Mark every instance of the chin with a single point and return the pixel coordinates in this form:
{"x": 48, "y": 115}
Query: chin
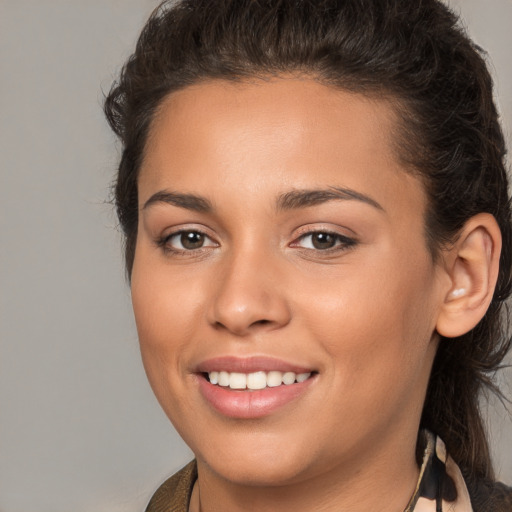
{"x": 258, "y": 461}
{"x": 257, "y": 473}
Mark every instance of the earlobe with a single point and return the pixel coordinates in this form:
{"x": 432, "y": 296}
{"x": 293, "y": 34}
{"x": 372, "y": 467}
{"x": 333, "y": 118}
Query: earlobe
{"x": 472, "y": 264}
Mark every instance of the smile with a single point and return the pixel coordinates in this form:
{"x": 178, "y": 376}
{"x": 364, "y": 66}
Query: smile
{"x": 252, "y": 387}
{"x": 256, "y": 380}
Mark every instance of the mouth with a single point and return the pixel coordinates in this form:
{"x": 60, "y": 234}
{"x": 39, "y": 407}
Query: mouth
{"x": 255, "y": 387}
{"x": 255, "y": 380}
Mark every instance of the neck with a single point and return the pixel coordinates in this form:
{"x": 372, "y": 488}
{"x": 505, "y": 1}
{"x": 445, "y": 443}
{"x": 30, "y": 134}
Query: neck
{"x": 361, "y": 484}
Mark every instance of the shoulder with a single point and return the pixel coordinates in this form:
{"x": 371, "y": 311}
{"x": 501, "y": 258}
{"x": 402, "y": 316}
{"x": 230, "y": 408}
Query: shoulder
{"x": 487, "y": 496}
{"x": 174, "y": 494}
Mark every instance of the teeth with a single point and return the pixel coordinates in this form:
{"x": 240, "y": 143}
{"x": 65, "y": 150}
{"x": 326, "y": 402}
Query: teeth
{"x": 223, "y": 379}
{"x": 274, "y": 379}
{"x": 238, "y": 381}
{"x": 256, "y": 380}
{"x": 288, "y": 378}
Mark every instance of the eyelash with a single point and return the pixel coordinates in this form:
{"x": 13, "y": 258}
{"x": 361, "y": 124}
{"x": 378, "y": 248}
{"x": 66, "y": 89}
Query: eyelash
{"x": 342, "y": 243}
{"x": 165, "y": 242}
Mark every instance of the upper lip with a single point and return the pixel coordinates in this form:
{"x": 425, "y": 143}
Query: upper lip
{"x": 249, "y": 365}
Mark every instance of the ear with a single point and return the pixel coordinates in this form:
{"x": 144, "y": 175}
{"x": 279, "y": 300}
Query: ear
{"x": 472, "y": 265}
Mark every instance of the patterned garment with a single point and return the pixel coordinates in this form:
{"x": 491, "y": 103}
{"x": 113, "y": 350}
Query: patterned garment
{"x": 440, "y": 487}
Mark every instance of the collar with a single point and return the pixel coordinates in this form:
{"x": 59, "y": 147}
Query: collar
{"x": 440, "y": 487}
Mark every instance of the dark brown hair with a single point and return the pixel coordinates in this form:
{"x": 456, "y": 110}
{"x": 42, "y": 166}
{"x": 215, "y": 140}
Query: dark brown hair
{"x": 411, "y": 51}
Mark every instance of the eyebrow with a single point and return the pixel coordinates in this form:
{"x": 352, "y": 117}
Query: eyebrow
{"x": 187, "y": 201}
{"x": 296, "y": 199}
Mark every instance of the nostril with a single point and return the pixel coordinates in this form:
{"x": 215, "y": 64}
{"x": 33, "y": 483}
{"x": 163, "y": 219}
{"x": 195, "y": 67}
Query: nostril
{"x": 262, "y": 322}
{"x": 243, "y": 329}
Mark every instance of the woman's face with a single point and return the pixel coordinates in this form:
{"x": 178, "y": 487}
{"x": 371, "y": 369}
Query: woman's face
{"x": 280, "y": 239}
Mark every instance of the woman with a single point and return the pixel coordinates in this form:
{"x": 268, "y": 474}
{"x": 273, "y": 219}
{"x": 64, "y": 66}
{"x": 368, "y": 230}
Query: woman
{"x": 318, "y": 232}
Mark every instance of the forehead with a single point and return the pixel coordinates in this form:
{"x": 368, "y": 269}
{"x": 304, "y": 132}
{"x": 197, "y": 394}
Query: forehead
{"x": 292, "y": 106}
{"x": 291, "y": 132}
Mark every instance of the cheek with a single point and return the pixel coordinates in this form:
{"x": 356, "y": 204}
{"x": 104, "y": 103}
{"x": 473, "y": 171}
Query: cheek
{"x": 166, "y": 301}
{"x": 376, "y": 328}
{"x": 163, "y": 322}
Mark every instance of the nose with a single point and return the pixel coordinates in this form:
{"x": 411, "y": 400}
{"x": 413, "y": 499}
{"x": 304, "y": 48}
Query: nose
{"x": 249, "y": 295}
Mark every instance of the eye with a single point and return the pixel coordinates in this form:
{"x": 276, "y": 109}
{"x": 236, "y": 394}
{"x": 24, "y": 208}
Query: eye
{"x": 187, "y": 240}
{"x": 323, "y": 241}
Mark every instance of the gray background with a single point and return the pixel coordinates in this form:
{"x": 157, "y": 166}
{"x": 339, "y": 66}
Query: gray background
{"x": 79, "y": 427}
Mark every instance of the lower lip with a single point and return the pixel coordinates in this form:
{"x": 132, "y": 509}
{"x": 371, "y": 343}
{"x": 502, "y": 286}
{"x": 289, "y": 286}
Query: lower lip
{"x": 248, "y": 404}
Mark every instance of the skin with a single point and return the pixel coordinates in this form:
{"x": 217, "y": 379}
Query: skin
{"x": 362, "y": 315}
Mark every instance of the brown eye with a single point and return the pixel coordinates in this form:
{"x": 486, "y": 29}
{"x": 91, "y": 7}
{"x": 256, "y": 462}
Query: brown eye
{"x": 187, "y": 241}
{"x": 323, "y": 240}
{"x": 192, "y": 240}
